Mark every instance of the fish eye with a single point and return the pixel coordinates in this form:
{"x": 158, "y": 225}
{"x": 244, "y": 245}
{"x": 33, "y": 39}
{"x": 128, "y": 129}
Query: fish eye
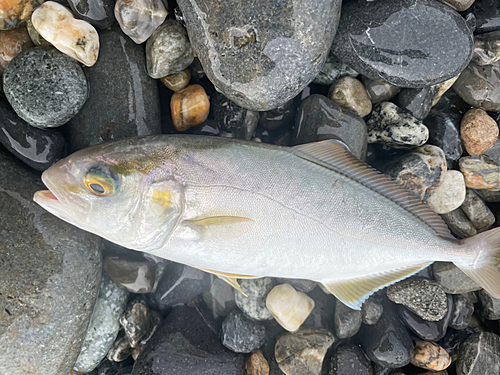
{"x": 97, "y": 188}
{"x": 99, "y": 183}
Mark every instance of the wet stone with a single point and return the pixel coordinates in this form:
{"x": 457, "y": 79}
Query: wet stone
{"x": 417, "y": 102}
{"x": 12, "y": 43}
{"x": 247, "y": 128}
{"x": 430, "y": 356}
{"x": 479, "y": 355}
{"x": 257, "y": 364}
{"x": 453, "y": 339}
{"x": 177, "y": 81}
{"x": 450, "y": 102}
{"x": 332, "y": 70}
{"x": 444, "y": 133}
{"x": 14, "y": 12}
{"x": 120, "y": 350}
{"x": 99, "y": 13}
{"x": 487, "y": 48}
{"x": 219, "y": 297}
{"x": 136, "y": 276}
{"x": 459, "y": 224}
{"x": 452, "y": 279}
{"x": 450, "y": 195}
{"x": 479, "y": 131}
{"x": 318, "y": 119}
{"x": 136, "y": 323}
{"x": 301, "y": 285}
{"x": 490, "y": 306}
{"x": 45, "y": 94}
{"x": 254, "y": 303}
{"x": 488, "y": 195}
{"x": 462, "y": 312}
{"x": 349, "y": 360}
{"x": 279, "y": 117}
{"x": 241, "y": 334}
{"x": 480, "y": 172}
{"x": 477, "y": 211}
{"x": 231, "y": 117}
{"x": 371, "y": 310}
{"x": 350, "y": 93}
{"x": 392, "y": 126}
{"x": 302, "y": 352}
{"x": 487, "y": 14}
{"x": 347, "y": 321}
{"x": 322, "y": 315}
{"x": 378, "y": 90}
{"x": 442, "y": 88}
{"x": 168, "y": 50}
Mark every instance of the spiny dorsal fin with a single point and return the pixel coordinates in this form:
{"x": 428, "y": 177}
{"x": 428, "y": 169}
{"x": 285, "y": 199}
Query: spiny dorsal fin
{"x": 335, "y": 155}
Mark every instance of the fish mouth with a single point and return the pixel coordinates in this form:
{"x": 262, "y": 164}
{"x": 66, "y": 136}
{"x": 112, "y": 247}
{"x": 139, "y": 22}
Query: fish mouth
{"x": 47, "y": 200}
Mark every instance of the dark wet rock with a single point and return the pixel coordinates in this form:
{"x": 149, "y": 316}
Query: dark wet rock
{"x": 112, "y": 368}
{"x": 187, "y": 342}
{"x": 462, "y": 312}
{"x": 365, "y": 40}
{"x": 349, "y": 360}
{"x": 347, "y": 321}
{"x": 371, "y": 310}
{"x": 137, "y": 276}
{"x": 490, "y": 306}
{"x": 480, "y": 172}
{"x": 45, "y": 87}
{"x": 488, "y": 196}
{"x": 99, "y": 13}
{"x": 318, "y": 118}
{"x": 219, "y": 297}
{"x": 459, "y": 224}
{"x": 279, "y": 117}
{"x": 418, "y": 102}
{"x": 487, "y": 14}
{"x": 479, "y": 355}
{"x": 378, "y": 90}
{"x": 442, "y": 88}
{"x": 127, "y": 107}
{"x": 50, "y": 279}
{"x": 208, "y": 127}
{"x": 452, "y": 279}
{"x": 453, "y": 339}
{"x": 120, "y": 350}
{"x": 38, "y": 148}
{"x": 180, "y": 284}
{"x": 254, "y": 303}
{"x": 388, "y": 342}
{"x": 450, "y": 102}
{"x": 136, "y": 323}
{"x": 241, "y": 334}
{"x": 487, "y": 48}
{"x": 444, "y": 133}
{"x": 332, "y": 70}
{"x": 232, "y": 118}
{"x": 245, "y": 59}
{"x": 301, "y": 285}
{"x": 477, "y": 211}
{"x": 392, "y": 126}
{"x": 350, "y": 93}
{"x": 323, "y": 313}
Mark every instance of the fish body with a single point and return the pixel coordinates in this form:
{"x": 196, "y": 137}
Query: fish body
{"x": 245, "y": 209}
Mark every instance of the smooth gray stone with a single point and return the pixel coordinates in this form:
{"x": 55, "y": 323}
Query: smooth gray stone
{"x": 347, "y": 321}
{"x": 490, "y": 306}
{"x": 99, "y": 13}
{"x": 452, "y": 279}
{"x": 49, "y": 279}
{"x": 263, "y": 55}
{"x": 459, "y": 223}
{"x": 477, "y": 211}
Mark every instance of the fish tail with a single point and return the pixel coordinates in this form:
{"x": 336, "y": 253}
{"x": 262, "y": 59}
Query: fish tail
{"x": 485, "y": 268}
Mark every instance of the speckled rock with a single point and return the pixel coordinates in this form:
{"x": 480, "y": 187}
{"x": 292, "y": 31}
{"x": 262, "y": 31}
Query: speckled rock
{"x": 241, "y": 334}
{"x": 371, "y": 310}
{"x": 263, "y": 63}
{"x": 444, "y": 133}
{"x": 480, "y": 172}
{"x": 477, "y": 211}
{"x": 99, "y": 13}
{"x": 347, "y": 321}
{"x": 452, "y": 279}
{"x": 45, "y": 95}
{"x": 282, "y": 116}
{"x": 424, "y": 297}
{"x": 103, "y": 326}
{"x": 487, "y": 15}
{"x": 350, "y": 93}
{"x": 490, "y": 306}
{"x": 12, "y": 43}
{"x": 450, "y": 195}
{"x": 318, "y": 118}
{"x": 219, "y": 297}
{"x": 430, "y": 356}
{"x": 349, "y": 360}
{"x": 14, "y": 12}
{"x": 459, "y": 224}
{"x": 332, "y": 70}
{"x": 462, "y": 312}
{"x": 479, "y": 131}
{"x": 378, "y": 90}
{"x": 479, "y": 355}
{"x": 177, "y": 81}
{"x": 257, "y": 364}
{"x": 411, "y": 61}
{"x": 254, "y": 303}
{"x": 136, "y": 276}
{"x": 45, "y": 308}
{"x": 392, "y": 126}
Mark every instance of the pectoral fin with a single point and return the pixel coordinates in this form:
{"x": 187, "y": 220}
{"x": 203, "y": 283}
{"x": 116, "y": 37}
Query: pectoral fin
{"x": 230, "y": 278}
{"x": 355, "y": 291}
{"x": 220, "y": 227}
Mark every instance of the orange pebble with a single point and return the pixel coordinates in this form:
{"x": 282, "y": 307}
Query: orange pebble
{"x": 190, "y": 107}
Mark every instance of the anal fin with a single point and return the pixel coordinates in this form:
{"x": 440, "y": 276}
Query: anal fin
{"x": 353, "y": 292}
{"x": 230, "y": 278}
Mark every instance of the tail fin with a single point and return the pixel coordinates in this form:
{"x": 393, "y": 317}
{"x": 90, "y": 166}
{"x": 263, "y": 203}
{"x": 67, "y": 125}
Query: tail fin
{"x": 485, "y": 268}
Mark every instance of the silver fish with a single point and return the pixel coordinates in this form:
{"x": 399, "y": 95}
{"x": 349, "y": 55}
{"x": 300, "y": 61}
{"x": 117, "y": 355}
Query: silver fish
{"x": 245, "y": 209}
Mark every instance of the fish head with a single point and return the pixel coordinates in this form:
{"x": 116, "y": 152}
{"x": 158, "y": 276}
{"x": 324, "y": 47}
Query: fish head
{"x": 120, "y": 192}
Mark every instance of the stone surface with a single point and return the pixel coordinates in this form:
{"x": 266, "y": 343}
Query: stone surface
{"x": 442, "y": 88}
{"x": 75, "y": 38}
{"x": 299, "y": 284}
{"x": 430, "y": 356}
{"x": 460, "y": 5}
{"x": 188, "y": 343}
{"x": 241, "y": 334}
{"x": 490, "y": 306}
{"x": 378, "y": 90}
{"x": 219, "y": 297}
{"x": 350, "y": 93}
{"x": 257, "y": 364}
{"x": 38, "y": 148}
{"x": 49, "y": 278}
{"x": 45, "y": 94}
{"x": 302, "y": 352}
{"x": 487, "y": 15}
{"x": 12, "y": 43}
{"x": 450, "y": 195}
{"x": 136, "y": 323}
{"x": 349, "y": 360}
{"x": 462, "y": 312}
{"x": 480, "y": 172}
{"x": 254, "y": 303}
{"x": 479, "y": 131}
{"x": 424, "y": 297}
{"x": 477, "y": 211}
{"x": 138, "y": 19}
{"x": 479, "y": 355}
{"x": 452, "y": 279}
{"x": 347, "y": 321}
{"x": 322, "y": 316}
{"x": 120, "y": 350}
{"x": 282, "y": 116}
{"x": 99, "y": 13}
{"x": 417, "y": 102}
{"x": 168, "y": 50}
{"x": 392, "y": 126}
{"x": 332, "y": 70}
{"x": 261, "y": 56}
{"x": 136, "y": 276}
{"x": 177, "y": 81}
{"x": 451, "y": 102}
{"x": 128, "y": 107}
{"x": 444, "y": 133}
{"x": 189, "y": 107}
{"x": 371, "y": 310}
{"x": 103, "y": 326}
{"x": 365, "y": 41}
{"x": 461, "y": 226}
{"x": 487, "y": 48}
{"x": 318, "y": 118}
{"x": 488, "y": 196}
{"x": 238, "y": 121}
{"x": 35, "y": 36}
{"x": 14, "y": 12}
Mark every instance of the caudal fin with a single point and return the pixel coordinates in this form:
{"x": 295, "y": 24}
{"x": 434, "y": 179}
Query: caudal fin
{"x": 485, "y": 267}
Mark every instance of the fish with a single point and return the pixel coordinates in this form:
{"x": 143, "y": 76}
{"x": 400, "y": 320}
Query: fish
{"x": 244, "y": 210}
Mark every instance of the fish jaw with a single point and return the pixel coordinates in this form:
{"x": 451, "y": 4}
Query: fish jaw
{"x": 48, "y": 201}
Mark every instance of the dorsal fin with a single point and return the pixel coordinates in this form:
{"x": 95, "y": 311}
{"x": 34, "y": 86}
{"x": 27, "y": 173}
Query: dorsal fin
{"x": 335, "y": 155}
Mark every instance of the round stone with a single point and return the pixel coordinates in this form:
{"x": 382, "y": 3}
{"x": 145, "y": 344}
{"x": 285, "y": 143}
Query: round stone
{"x": 450, "y": 195}
{"x": 430, "y": 356}
{"x": 480, "y": 172}
{"x": 190, "y": 107}
{"x": 378, "y": 90}
{"x": 253, "y": 302}
{"x": 479, "y": 131}
{"x": 45, "y": 87}
{"x": 350, "y": 93}
{"x": 12, "y": 43}
{"x": 487, "y": 48}
{"x": 177, "y": 81}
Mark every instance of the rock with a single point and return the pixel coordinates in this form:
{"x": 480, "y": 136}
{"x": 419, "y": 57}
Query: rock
{"x": 392, "y": 126}
{"x": 451, "y": 102}
{"x": 219, "y": 297}
{"x": 422, "y": 171}
{"x": 301, "y": 285}
{"x": 177, "y": 81}
{"x": 318, "y": 118}
{"x": 289, "y": 307}
{"x": 50, "y": 279}
{"x": 378, "y": 90}
{"x": 442, "y": 88}
{"x": 168, "y": 50}
{"x": 332, "y": 70}
{"x": 103, "y": 326}
{"x": 302, "y": 352}
{"x": 477, "y": 211}
{"x": 14, "y": 12}
{"x": 349, "y": 360}
{"x": 371, "y": 310}
{"x": 254, "y": 303}
{"x": 424, "y": 297}
{"x": 480, "y": 172}
{"x": 136, "y": 323}
{"x": 479, "y": 131}
{"x": 189, "y": 107}
{"x": 479, "y": 355}
{"x": 494, "y": 151}
{"x": 139, "y": 19}
{"x": 129, "y": 107}
{"x": 75, "y": 38}
{"x": 35, "y": 36}
{"x": 486, "y": 48}
{"x": 411, "y": 61}
{"x": 417, "y": 102}
{"x": 187, "y": 342}
{"x": 452, "y": 279}
{"x": 245, "y": 60}
{"x": 257, "y": 364}
{"x": 453, "y": 339}
{"x": 487, "y": 15}
{"x": 241, "y": 334}
{"x": 347, "y": 321}
{"x": 490, "y": 306}
{"x": 430, "y": 356}
{"x": 488, "y": 196}
{"x": 12, "y": 43}
{"x": 350, "y": 93}
{"x": 443, "y": 133}
{"x": 460, "y": 5}
{"x": 461, "y": 313}
{"x": 450, "y": 195}
{"x": 136, "y": 276}
{"x": 279, "y": 117}
{"x": 461, "y": 226}
{"x": 45, "y": 94}
{"x": 99, "y": 13}
{"x": 120, "y": 350}
{"x": 38, "y": 148}
{"x": 322, "y": 315}
{"x": 180, "y": 284}
{"x": 388, "y": 342}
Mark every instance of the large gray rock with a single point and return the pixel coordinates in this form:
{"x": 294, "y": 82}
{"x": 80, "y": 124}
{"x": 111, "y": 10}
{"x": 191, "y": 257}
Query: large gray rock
{"x": 49, "y": 279}
{"x": 261, "y": 55}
